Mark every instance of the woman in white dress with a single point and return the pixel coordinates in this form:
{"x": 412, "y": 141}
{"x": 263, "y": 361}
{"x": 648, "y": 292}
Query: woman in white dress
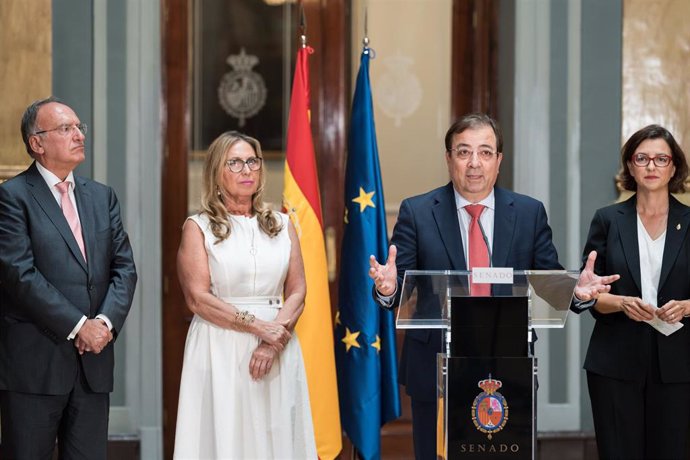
{"x": 243, "y": 393}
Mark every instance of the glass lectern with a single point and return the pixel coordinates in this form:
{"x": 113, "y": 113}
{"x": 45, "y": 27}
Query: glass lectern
{"x": 486, "y": 378}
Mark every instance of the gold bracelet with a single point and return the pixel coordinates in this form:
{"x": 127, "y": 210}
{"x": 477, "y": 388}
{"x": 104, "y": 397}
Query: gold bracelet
{"x": 244, "y": 317}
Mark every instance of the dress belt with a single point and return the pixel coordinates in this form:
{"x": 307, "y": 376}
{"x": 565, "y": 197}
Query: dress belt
{"x": 255, "y": 301}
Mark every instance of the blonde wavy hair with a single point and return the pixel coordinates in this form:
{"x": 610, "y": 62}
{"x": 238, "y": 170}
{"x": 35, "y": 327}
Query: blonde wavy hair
{"x": 211, "y": 200}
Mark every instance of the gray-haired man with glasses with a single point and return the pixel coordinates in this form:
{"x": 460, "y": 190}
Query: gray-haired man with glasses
{"x": 67, "y": 279}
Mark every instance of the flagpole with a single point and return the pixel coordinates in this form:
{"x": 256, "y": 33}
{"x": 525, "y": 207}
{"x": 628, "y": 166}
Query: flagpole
{"x": 302, "y": 25}
{"x": 354, "y": 455}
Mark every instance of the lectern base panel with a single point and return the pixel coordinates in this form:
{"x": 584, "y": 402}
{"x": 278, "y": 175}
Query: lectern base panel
{"x": 487, "y": 408}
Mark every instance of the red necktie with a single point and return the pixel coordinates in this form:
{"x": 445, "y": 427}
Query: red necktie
{"x": 478, "y": 252}
{"x": 71, "y": 215}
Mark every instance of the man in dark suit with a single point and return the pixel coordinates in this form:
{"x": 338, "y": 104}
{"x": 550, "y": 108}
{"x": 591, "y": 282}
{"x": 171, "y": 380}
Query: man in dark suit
{"x": 432, "y": 233}
{"x": 67, "y": 279}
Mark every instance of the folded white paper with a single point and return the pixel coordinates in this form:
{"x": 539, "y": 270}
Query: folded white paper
{"x": 662, "y": 326}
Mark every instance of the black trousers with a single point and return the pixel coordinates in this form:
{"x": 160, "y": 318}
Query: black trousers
{"x": 424, "y": 429}
{"x": 640, "y": 420}
{"x": 32, "y": 422}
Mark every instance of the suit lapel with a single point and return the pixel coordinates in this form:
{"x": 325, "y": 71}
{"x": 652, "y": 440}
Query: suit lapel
{"x": 83, "y": 197}
{"x": 627, "y": 221}
{"x": 46, "y": 201}
{"x": 504, "y": 227}
{"x": 676, "y": 230}
{"x": 446, "y": 217}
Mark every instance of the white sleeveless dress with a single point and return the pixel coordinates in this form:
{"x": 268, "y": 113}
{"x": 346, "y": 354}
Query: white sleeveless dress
{"x": 222, "y": 412}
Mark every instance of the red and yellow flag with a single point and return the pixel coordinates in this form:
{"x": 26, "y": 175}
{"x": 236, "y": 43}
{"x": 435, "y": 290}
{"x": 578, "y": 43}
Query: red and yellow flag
{"x": 302, "y": 202}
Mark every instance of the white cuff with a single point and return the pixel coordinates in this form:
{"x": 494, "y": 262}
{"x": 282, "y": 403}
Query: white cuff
{"x": 106, "y": 321}
{"x": 582, "y": 305}
{"x": 76, "y": 329}
{"x": 386, "y": 300}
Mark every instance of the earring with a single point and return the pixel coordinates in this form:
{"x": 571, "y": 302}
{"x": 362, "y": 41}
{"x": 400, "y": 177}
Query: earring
{"x": 218, "y": 191}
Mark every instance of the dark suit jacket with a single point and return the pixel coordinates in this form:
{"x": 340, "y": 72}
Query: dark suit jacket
{"x": 46, "y": 287}
{"x": 427, "y": 235}
{"x": 620, "y": 347}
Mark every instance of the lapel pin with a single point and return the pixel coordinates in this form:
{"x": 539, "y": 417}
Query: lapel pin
{"x": 678, "y": 227}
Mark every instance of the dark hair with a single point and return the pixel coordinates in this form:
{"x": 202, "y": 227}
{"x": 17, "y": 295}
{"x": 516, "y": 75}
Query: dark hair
{"x": 474, "y": 121}
{"x": 29, "y": 119}
{"x": 627, "y": 181}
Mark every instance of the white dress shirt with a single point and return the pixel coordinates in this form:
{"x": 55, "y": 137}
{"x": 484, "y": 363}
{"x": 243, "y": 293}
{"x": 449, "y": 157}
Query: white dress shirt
{"x": 651, "y": 254}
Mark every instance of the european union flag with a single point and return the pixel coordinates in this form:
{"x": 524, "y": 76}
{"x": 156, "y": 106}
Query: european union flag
{"x": 365, "y": 334}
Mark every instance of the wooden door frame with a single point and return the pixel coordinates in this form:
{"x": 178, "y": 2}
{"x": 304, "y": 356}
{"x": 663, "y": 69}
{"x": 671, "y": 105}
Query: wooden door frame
{"x": 175, "y": 33}
{"x": 474, "y": 66}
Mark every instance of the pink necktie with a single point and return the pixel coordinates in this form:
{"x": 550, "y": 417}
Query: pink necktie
{"x": 71, "y": 215}
{"x": 478, "y": 252}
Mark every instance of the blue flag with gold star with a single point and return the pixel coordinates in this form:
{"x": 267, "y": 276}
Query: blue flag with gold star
{"x": 365, "y": 334}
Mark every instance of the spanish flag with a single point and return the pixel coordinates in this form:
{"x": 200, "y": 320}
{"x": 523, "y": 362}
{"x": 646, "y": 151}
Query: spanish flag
{"x": 302, "y": 202}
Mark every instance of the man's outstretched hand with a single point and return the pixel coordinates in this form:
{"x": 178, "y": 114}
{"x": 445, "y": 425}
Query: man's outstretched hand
{"x": 385, "y": 276}
{"x": 590, "y": 285}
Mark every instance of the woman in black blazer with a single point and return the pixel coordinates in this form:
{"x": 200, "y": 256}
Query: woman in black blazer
{"x": 639, "y": 377}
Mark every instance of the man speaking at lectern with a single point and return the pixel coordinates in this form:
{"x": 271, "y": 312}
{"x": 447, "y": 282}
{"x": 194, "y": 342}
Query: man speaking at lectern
{"x": 467, "y": 223}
